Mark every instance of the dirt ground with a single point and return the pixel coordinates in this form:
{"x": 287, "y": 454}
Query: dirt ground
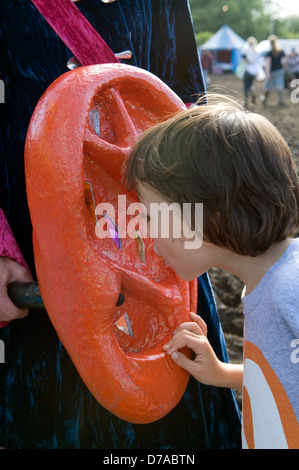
{"x": 228, "y": 288}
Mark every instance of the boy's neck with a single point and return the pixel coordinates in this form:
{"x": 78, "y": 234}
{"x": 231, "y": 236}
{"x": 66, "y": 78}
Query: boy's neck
{"x": 251, "y": 270}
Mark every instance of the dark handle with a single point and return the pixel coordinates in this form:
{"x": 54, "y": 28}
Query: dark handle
{"x": 27, "y": 295}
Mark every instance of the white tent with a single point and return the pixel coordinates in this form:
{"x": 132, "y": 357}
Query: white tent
{"x": 285, "y": 44}
{"x": 226, "y": 47}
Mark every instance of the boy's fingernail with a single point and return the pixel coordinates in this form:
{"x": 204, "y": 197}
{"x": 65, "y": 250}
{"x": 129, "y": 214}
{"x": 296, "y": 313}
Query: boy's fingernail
{"x": 174, "y": 355}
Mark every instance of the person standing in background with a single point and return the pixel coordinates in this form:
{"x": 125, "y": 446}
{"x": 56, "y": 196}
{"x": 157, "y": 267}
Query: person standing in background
{"x": 207, "y": 63}
{"x": 275, "y": 71}
{"x": 251, "y": 58}
{"x": 293, "y": 64}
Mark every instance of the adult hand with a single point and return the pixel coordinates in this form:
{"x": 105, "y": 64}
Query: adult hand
{"x": 11, "y": 271}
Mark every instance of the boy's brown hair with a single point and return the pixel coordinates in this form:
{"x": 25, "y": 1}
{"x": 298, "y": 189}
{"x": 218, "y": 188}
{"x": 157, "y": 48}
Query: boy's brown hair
{"x": 234, "y": 162}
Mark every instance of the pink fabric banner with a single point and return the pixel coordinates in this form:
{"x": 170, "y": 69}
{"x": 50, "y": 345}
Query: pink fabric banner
{"x": 75, "y": 31}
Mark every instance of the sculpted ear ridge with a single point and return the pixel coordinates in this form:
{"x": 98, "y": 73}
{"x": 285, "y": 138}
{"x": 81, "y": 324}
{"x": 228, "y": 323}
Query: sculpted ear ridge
{"x": 79, "y": 134}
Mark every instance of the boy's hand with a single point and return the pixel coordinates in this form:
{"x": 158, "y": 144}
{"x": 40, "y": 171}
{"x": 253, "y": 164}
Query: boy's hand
{"x": 205, "y": 367}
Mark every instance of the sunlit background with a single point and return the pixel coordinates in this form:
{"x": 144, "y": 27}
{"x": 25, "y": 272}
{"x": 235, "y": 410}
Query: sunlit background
{"x": 258, "y": 18}
{"x": 289, "y": 7}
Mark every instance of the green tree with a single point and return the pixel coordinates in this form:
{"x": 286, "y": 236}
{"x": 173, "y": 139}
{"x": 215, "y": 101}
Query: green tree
{"x": 288, "y": 28}
{"x": 257, "y": 18}
{"x": 203, "y": 37}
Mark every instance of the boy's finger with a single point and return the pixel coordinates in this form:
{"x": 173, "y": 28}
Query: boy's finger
{"x": 202, "y": 325}
{"x": 189, "y": 340}
{"x": 189, "y": 326}
{"x": 178, "y": 340}
{"x": 183, "y": 361}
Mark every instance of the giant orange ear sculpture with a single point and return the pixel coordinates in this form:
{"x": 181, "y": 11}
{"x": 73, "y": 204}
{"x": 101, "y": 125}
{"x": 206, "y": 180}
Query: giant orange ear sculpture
{"x": 79, "y": 135}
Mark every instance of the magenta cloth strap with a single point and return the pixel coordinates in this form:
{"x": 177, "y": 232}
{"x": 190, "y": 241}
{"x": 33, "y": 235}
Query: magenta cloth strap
{"x": 75, "y": 31}
{"x": 8, "y": 244}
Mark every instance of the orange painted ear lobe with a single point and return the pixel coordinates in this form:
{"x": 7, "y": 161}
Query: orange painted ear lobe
{"x": 79, "y": 135}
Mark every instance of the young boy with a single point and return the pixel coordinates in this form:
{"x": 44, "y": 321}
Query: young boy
{"x": 240, "y": 168}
